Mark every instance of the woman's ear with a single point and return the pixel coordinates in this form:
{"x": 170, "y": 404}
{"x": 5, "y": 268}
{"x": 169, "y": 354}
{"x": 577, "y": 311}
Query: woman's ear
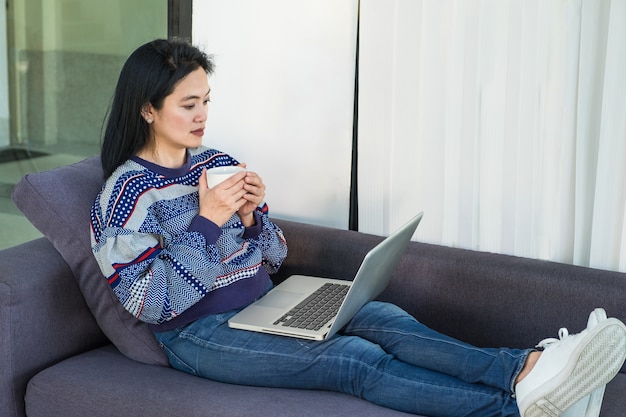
{"x": 147, "y": 112}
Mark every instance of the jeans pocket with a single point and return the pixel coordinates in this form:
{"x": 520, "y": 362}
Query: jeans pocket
{"x": 177, "y": 362}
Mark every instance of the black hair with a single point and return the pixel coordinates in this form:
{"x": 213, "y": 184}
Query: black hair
{"x": 148, "y": 76}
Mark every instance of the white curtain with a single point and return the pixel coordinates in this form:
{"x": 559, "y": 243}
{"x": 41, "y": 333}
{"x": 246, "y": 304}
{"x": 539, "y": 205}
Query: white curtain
{"x": 503, "y": 120}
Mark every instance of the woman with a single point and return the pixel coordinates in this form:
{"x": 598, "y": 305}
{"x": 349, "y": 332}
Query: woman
{"x": 185, "y": 258}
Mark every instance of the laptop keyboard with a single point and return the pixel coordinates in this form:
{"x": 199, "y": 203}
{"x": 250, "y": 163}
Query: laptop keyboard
{"x": 315, "y": 310}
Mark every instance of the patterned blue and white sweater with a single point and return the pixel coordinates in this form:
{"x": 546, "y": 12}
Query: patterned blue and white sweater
{"x": 167, "y": 265}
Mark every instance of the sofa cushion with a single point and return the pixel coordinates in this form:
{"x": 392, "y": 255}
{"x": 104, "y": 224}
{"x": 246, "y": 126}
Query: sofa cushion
{"x": 103, "y": 383}
{"x": 58, "y": 203}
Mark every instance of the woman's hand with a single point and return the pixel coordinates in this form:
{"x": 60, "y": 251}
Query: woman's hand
{"x": 254, "y": 197}
{"x": 219, "y": 203}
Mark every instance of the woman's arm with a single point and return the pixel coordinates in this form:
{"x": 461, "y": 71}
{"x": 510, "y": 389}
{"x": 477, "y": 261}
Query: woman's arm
{"x": 157, "y": 277}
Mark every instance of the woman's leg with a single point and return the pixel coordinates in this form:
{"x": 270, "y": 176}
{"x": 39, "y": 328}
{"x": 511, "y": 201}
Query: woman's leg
{"x": 349, "y": 364}
{"x": 410, "y": 341}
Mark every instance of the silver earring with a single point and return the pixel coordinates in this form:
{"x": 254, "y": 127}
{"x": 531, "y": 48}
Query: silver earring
{"x": 149, "y": 121}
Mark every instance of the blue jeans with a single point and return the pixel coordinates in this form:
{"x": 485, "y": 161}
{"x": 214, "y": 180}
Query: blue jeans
{"x": 384, "y": 355}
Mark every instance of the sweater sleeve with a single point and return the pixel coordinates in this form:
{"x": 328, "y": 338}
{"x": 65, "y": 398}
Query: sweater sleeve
{"x": 155, "y": 278}
{"x": 269, "y": 238}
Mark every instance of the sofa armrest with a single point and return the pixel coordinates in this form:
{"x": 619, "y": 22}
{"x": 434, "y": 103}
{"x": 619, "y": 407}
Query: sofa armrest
{"x": 43, "y": 317}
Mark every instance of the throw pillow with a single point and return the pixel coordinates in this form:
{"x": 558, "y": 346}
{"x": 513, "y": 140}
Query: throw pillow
{"x": 58, "y": 203}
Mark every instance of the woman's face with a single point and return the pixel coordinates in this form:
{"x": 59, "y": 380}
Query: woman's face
{"x": 179, "y": 124}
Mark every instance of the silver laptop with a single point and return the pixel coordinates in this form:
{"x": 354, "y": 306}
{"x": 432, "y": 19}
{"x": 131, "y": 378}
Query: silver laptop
{"x": 289, "y": 309}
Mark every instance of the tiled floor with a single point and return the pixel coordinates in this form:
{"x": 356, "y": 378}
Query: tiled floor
{"x": 14, "y": 227}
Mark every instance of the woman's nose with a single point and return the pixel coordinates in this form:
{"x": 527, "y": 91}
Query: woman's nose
{"x": 202, "y": 113}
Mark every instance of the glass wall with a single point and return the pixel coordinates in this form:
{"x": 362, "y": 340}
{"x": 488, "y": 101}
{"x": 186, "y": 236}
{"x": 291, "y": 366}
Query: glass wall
{"x": 61, "y": 61}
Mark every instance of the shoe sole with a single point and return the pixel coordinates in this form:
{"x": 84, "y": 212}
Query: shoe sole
{"x": 595, "y": 398}
{"x": 598, "y": 362}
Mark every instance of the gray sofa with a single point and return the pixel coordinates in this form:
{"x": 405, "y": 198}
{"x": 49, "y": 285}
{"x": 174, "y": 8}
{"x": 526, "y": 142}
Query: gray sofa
{"x": 68, "y": 349}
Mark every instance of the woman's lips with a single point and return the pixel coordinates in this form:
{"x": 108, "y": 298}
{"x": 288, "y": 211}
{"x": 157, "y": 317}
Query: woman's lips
{"x": 198, "y": 132}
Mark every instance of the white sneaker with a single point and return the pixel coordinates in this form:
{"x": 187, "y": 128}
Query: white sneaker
{"x": 573, "y": 367}
{"x": 590, "y": 405}
{"x": 596, "y": 317}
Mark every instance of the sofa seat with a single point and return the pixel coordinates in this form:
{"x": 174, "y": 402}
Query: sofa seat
{"x": 96, "y": 382}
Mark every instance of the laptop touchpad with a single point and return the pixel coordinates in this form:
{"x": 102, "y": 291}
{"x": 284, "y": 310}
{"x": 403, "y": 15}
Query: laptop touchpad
{"x": 278, "y": 299}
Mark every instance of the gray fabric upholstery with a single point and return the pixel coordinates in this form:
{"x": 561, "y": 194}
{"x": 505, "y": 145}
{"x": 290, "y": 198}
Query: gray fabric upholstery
{"x": 58, "y": 203}
{"x": 43, "y": 318}
{"x": 103, "y": 380}
{"x": 497, "y": 300}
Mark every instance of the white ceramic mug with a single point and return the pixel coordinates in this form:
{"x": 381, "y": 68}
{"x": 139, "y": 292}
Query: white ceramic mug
{"x": 216, "y": 175}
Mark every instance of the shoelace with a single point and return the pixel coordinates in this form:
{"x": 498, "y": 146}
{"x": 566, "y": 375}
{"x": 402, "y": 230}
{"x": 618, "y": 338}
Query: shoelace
{"x": 563, "y": 334}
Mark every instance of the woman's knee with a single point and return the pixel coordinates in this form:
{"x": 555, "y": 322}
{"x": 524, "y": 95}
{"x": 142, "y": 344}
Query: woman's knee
{"x": 377, "y": 311}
